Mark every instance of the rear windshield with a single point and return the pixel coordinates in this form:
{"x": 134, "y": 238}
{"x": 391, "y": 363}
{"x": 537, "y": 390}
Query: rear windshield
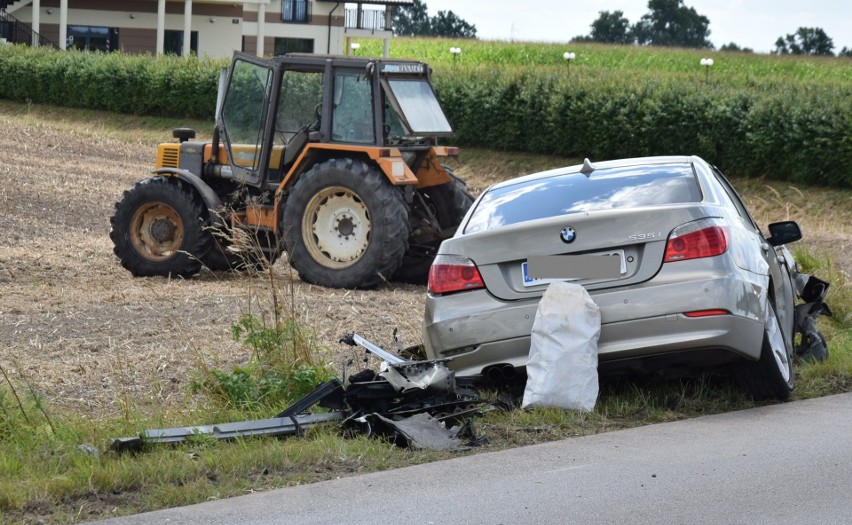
{"x": 416, "y": 103}
{"x": 604, "y": 189}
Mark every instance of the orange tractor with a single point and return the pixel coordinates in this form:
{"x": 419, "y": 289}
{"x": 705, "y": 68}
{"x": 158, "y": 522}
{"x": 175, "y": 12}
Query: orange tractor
{"x": 334, "y": 160}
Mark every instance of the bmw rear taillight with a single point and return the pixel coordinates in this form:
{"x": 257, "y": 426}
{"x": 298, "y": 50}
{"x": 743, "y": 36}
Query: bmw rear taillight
{"x": 694, "y": 240}
{"x": 453, "y": 273}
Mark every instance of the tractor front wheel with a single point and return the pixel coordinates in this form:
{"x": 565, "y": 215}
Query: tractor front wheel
{"x": 158, "y": 229}
{"x": 345, "y": 225}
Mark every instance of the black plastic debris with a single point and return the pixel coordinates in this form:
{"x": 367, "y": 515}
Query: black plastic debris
{"x": 413, "y": 403}
{"x": 812, "y": 346}
{"x": 420, "y": 431}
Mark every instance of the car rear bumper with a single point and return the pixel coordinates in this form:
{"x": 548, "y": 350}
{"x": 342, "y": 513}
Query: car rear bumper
{"x": 478, "y": 330}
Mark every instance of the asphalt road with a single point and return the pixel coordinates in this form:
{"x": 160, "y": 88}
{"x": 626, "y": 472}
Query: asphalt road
{"x": 788, "y": 463}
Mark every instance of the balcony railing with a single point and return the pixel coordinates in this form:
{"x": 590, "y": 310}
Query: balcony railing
{"x": 370, "y": 19}
{"x": 296, "y": 11}
{"x": 14, "y": 31}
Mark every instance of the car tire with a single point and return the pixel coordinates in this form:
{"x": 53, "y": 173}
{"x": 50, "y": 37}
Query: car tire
{"x": 771, "y": 376}
{"x": 449, "y": 203}
{"x": 159, "y": 228}
{"x": 345, "y": 225}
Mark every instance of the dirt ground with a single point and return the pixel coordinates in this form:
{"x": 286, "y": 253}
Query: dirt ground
{"x": 89, "y": 336}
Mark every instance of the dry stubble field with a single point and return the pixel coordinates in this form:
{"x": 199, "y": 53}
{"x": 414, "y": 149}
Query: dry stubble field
{"x": 89, "y": 336}
{"x": 74, "y": 323}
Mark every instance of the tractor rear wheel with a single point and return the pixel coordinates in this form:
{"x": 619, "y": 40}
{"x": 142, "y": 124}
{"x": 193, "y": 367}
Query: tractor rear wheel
{"x": 449, "y": 204}
{"x": 158, "y": 228}
{"x": 345, "y": 225}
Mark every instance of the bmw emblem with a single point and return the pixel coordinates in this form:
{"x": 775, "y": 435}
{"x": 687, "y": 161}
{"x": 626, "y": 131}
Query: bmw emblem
{"x": 568, "y": 234}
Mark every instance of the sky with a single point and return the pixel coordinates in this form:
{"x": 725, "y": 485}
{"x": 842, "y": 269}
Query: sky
{"x": 749, "y": 23}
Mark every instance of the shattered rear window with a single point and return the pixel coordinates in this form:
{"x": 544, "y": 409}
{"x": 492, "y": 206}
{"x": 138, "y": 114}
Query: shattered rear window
{"x": 604, "y": 189}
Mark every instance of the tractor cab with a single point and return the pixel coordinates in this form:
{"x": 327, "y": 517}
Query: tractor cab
{"x": 270, "y": 110}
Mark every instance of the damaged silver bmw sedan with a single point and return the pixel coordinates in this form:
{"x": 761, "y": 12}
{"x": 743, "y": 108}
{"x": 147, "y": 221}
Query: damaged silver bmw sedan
{"x": 681, "y": 272}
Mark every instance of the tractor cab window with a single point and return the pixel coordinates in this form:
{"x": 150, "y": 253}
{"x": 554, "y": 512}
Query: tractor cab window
{"x": 352, "y": 119}
{"x": 415, "y": 104}
{"x": 244, "y": 113}
{"x": 299, "y": 105}
{"x": 298, "y": 114}
{"x": 395, "y": 130}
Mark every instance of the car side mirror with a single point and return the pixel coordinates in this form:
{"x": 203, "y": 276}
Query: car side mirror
{"x": 783, "y": 233}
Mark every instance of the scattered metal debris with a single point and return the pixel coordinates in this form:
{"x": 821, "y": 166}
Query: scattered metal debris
{"x": 409, "y": 402}
{"x": 90, "y": 450}
{"x": 811, "y": 290}
{"x": 420, "y": 431}
{"x": 278, "y": 426}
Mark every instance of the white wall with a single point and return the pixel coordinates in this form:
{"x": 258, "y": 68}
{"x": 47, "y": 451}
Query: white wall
{"x": 215, "y": 39}
{"x": 317, "y": 32}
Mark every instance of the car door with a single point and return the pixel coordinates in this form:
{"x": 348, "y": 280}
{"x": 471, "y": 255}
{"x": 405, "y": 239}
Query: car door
{"x": 777, "y": 264}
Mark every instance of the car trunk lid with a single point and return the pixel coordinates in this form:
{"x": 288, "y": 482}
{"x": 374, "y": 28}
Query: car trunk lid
{"x": 565, "y": 247}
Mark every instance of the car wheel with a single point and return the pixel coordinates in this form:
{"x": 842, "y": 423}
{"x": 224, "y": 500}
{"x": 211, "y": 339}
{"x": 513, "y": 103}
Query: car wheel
{"x": 771, "y": 376}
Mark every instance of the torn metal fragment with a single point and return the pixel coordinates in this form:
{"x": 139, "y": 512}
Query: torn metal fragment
{"x": 420, "y": 431}
{"x": 420, "y": 375}
{"x": 381, "y": 353}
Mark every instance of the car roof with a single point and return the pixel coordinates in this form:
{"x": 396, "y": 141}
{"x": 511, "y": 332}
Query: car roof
{"x": 620, "y": 163}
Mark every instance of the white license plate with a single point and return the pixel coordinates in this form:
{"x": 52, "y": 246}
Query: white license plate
{"x": 562, "y": 268}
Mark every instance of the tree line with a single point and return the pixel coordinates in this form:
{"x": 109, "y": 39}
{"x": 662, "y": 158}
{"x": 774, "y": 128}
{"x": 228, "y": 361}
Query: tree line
{"x": 672, "y": 23}
{"x": 414, "y": 20}
{"x": 667, "y": 23}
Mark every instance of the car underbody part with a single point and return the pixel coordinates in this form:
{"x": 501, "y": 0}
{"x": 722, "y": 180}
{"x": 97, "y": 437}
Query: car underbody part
{"x": 813, "y": 346}
{"x": 410, "y": 403}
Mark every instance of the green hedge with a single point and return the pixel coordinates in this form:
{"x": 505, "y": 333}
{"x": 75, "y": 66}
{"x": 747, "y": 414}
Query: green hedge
{"x": 795, "y": 130}
{"x": 138, "y": 84}
{"x": 792, "y": 132}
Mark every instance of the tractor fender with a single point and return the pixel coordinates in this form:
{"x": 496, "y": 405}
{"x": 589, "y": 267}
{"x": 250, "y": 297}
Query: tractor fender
{"x": 212, "y": 202}
{"x": 388, "y": 161}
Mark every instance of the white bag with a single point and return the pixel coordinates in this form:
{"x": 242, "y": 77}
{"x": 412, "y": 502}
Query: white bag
{"x": 562, "y": 370}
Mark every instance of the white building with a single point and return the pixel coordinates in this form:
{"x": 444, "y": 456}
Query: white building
{"x": 212, "y": 28}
